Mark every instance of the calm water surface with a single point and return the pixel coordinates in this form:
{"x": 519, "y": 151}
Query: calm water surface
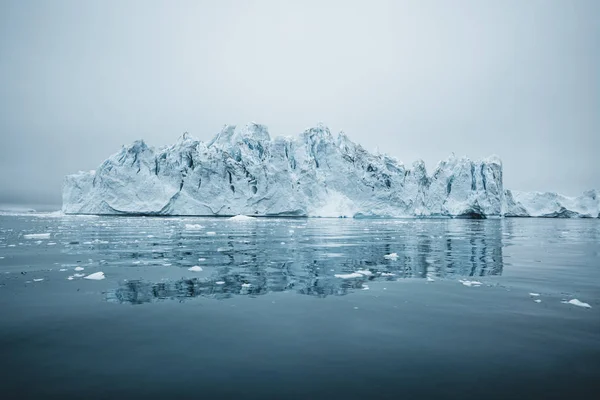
{"x": 298, "y": 308}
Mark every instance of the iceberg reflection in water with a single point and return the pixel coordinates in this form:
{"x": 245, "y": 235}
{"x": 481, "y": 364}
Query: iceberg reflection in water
{"x": 310, "y": 257}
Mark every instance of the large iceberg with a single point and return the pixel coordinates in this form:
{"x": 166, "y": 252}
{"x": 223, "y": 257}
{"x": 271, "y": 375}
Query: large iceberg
{"x": 242, "y": 171}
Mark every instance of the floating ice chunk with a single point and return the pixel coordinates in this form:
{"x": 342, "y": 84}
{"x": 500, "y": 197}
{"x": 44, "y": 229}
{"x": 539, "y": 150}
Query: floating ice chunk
{"x": 79, "y": 268}
{"x": 37, "y": 236}
{"x": 70, "y": 278}
{"x": 349, "y": 276}
{"x": 537, "y": 300}
{"x": 470, "y": 283}
{"x": 577, "y": 303}
{"x": 202, "y": 259}
{"x": 220, "y": 282}
{"x": 364, "y": 272}
{"x": 242, "y": 218}
{"x": 222, "y": 249}
{"x": 193, "y": 227}
{"x": 78, "y": 275}
{"x": 167, "y": 264}
{"x": 38, "y": 279}
{"x": 430, "y": 279}
{"x": 96, "y": 276}
{"x": 52, "y": 244}
{"x": 534, "y": 294}
{"x": 246, "y": 285}
{"x": 150, "y": 236}
{"x": 211, "y": 233}
{"x": 392, "y": 256}
{"x": 195, "y": 268}
{"x": 62, "y": 269}
{"x": 387, "y": 274}
{"x": 365, "y": 287}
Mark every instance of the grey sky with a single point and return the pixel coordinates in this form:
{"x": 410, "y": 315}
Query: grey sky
{"x": 418, "y": 79}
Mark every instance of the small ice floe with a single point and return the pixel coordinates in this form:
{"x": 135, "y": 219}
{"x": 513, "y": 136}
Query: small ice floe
{"x": 241, "y": 218}
{"x": 136, "y": 262}
{"x": 37, "y": 236}
{"x": 167, "y": 265}
{"x": 537, "y": 301}
{"x": 38, "y": 279}
{"x": 62, "y": 269}
{"x": 577, "y": 303}
{"x": 219, "y": 282}
{"x": 96, "y": 276}
{"x": 98, "y": 241}
{"x": 52, "y": 244}
{"x": 195, "y": 268}
{"x": 430, "y": 279}
{"x": 211, "y": 233}
{"x": 70, "y": 278}
{"x": 358, "y": 274}
{"x": 202, "y": 259}
{"x": 1, "y": 258}
{"x": 387, "y": 274}
{"x": 534, "y": 294}
{"x": 193, "y": 227}
{"x": 78, "y": 275}
{"x": 79, "y": 268}
{"x": 222, "y": 249}
{"x": 392, "y": 256}
{"x": 470, "y": 283}
{"x": 365, "y": 287}
{"x": 282, "y": 242}
{"x": 246, "y": 285}
{"x": 150, "y": 236}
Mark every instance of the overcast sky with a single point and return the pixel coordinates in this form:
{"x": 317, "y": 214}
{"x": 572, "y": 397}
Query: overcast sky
{"x": 418, "y": 79}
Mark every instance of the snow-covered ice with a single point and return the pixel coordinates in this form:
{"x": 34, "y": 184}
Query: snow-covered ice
{"x": 37, "y": 236}
{"x": 392, "y": 256}
{"x": 577, "y": 303}
{"x": 96, "y": 276}
{"x": 534, "y": 294}
{"x": 193, "y": 227}
{"x": 195, "y": 268}
{"x": 79, "y": 268}
{"x": 469, "y": 283}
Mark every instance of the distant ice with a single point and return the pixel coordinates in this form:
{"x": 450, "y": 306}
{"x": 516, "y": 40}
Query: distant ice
{"x": 537, "y": 300}
{"x": 392, "y": 256}
{"x": 577, "y": 303}
{"x": 38, "y": 279}
{"x": 62, "y": 269}
{"x": 246, "y": 285}
{"x": 242, "y": 218}
{"x": 534, "y": 294}
{"x": 365, "y": 272}
{"x": 470, "y": 283}
{"x": 96, "y": 276}
{"x": 79, "y": 268}
{"x": 387, "y": 274}
{"x": 220, "y": 282}
{"x": 357, "y": 274}
{"x": 211, "y": 233}
{"x": 37, "y": 236}
{"x": 430, "y": 279}
{"x": 193, "y": 227}
{"x": 202, "y": 259}
{"x": 78, "y": 275}
{"x": 195, "y": 268}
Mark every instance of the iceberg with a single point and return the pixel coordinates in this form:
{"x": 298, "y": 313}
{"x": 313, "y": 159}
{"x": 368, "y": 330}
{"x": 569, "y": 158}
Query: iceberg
{"x": 245, "y": 172}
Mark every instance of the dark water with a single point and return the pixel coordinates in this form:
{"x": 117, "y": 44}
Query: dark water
{"x": 268, "y": 318}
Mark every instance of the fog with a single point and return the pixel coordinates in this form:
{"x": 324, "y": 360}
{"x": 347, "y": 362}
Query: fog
{"x": 415, "y": 79}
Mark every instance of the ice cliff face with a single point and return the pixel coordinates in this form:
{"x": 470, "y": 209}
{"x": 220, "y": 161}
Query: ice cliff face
{"x": 244, "y": 171}
{"x": 552, "y": 205}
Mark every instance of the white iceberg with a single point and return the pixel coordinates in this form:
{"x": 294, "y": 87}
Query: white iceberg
{"x": 243, "y": 171}
{"x": 96, "y": 276}
{"x": 195, "y": 268}
{"x": 577, "y": 303}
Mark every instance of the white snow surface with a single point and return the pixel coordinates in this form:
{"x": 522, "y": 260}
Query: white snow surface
{"x": 243, "y": 171}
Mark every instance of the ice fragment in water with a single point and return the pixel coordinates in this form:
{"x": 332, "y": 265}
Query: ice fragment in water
{"x": 195, "y": 268}
{"x": 96, "y": 276}
{"x": 37, "y": 236}
{"x": 577, "y": 303}
{"x": 392, "y": 256}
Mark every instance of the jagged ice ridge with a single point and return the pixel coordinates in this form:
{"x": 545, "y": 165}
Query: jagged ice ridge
{"x": 244, "y": 171}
